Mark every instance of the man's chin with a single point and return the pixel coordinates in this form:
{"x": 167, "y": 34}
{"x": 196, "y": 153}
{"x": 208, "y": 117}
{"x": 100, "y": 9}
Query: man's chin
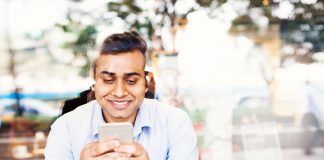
{"x": 118, "y": 113}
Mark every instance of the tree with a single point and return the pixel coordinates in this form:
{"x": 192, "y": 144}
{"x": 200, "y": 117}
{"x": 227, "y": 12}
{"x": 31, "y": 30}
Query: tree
{"x": 85, "y": 40}
{"x": 152, "y": 18}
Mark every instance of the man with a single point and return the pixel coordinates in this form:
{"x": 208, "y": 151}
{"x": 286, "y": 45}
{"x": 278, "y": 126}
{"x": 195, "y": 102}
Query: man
{"x": 160, "y": 131}
{"x": 311, "y": 119}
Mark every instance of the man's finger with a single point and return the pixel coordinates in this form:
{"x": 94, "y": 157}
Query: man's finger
{"x": 103, "y": 147}
{"x": 116, "y": 155}
{"x": 130, "y": 149}
{"x": 120, "y": 158}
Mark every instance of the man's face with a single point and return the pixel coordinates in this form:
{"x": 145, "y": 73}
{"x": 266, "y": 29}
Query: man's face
{"x": 120, "y": 85}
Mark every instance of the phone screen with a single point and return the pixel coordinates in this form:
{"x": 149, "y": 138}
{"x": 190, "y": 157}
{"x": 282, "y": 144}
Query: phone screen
{"x": 122, "y": 131}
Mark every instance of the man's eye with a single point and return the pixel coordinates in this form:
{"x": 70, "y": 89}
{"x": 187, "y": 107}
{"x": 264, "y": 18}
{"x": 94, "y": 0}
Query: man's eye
{"x": 131, "y": 82}
{"x": 108, "y": 81}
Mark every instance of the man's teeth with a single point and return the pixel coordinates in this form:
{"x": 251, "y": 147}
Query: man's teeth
{"x": 120, "y": 103}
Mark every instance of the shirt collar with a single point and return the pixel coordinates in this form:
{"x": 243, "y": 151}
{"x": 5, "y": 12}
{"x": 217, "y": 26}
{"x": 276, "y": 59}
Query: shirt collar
{"x": 143, "y": 119}
{"x": 97, "y": 119}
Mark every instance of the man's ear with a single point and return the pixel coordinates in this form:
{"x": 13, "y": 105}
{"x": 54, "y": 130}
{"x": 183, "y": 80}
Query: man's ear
{"x": 150, "y": 85}
{"x": 92, "y": 87}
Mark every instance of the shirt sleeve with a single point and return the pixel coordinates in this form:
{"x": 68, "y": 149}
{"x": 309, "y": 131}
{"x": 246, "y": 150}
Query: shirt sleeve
{"x": 183, "y": 139}
{"x": 58, "y": 146}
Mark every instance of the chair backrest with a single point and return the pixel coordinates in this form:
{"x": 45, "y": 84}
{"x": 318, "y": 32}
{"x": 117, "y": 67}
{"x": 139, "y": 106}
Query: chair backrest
{"x": 261, "y": 141}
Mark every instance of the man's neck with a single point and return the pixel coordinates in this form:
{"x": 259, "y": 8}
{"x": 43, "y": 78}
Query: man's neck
{"x": 109, "y": 119}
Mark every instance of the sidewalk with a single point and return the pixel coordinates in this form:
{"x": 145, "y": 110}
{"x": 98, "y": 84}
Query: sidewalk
{"x": 291, "y": 154}
{"x": 298, "y": 154}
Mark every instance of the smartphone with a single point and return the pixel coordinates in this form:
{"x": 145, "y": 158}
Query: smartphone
{"x": 123, "y": 131}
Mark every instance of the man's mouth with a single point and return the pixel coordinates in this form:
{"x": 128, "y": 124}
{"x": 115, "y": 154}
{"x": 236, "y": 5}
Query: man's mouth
{"x": 119, "y": 105}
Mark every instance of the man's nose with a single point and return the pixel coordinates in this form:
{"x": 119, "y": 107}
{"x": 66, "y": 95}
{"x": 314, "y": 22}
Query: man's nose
{"x": 119, "y": 89}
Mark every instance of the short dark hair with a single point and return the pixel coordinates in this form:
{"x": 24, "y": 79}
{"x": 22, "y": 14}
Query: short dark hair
{"x": 123, "y": 42}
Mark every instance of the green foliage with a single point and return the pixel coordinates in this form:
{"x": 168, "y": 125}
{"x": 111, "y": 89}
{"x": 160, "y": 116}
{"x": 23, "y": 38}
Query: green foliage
{"x": 87, "y": 36}
{"x": 128, "y": 8}
{"x": 208, "y": 3}
{"x": 201, "y": 141}
{"x": 138, "y": 18}
{"x": 198, "y": 115}
{"x": 40, "y": 122}
{"x": 298, "y": 14}
{"x": 256, "y": 3}
{"x": 146, "y": 27}
{"x": 85, "y": 40}
{"x": 204, "y": 3}
{"x": 124, "y": 8}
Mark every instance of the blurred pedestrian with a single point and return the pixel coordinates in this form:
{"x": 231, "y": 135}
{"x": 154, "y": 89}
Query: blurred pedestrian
{"x": 311, "y": 121}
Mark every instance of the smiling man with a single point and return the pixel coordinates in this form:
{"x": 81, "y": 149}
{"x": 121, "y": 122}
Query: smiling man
{"x": 160, "y": 131}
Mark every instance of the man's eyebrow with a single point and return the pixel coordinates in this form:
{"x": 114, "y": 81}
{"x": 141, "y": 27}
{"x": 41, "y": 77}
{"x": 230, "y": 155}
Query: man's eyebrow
{"x": 108, "y": 73}
{"x": 132, "y": 74}
{"x": 114, "y": 74}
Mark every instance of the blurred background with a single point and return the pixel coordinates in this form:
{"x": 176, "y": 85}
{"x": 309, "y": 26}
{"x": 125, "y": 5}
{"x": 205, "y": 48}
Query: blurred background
{"x": 250, "y": 73}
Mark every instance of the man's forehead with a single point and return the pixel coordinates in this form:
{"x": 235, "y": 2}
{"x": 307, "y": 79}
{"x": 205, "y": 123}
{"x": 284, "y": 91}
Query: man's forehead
{"x": 130, "y": 73}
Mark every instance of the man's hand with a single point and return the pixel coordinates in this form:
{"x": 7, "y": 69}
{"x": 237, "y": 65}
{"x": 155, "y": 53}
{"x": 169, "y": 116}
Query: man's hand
{"x": 135, "y": 150}
{"x": 100, "y": 150}
{"x": 112, "y": 149}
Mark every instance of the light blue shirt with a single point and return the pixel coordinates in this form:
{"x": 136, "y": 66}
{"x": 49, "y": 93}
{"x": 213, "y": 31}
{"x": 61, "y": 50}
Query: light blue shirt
{"x": 164, "y": 131}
